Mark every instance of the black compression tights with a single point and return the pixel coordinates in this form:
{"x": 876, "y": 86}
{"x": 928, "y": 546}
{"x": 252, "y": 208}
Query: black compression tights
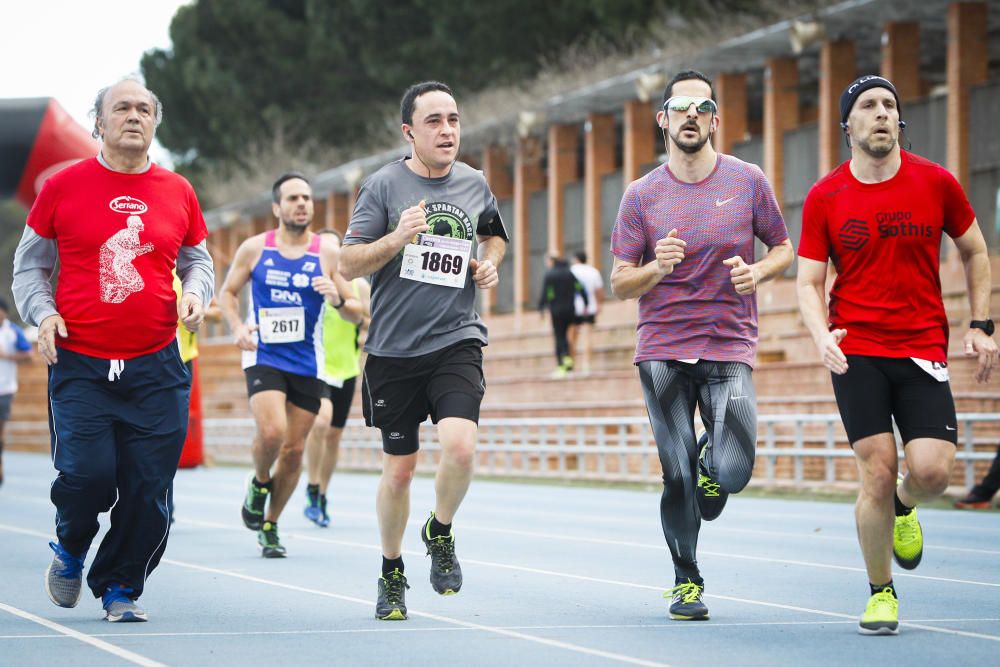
{"x": 725, "y": 397}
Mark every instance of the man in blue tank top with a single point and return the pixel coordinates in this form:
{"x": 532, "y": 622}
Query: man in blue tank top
{"x": 291, "y": 272}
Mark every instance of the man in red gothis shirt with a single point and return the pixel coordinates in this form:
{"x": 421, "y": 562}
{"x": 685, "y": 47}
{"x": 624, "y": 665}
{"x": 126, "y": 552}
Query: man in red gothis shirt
{"x": 118, "y": 391}
{"x": 879, "y": 218}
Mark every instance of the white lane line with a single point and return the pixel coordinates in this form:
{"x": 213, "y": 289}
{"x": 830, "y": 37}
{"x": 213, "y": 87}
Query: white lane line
{"x": 434, "y": 617}
{"x": 613, "y": 582}
{"x": 806, "y": 534}
{"x": 124, "y": 654}
{"x": 605, "y": 626}
{"x": 443, "y": 619}
{"x": 596, "y": 540}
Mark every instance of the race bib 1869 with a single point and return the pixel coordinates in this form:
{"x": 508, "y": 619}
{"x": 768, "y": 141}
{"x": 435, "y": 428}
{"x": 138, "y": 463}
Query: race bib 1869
{"x": 282, "y": 325}
{"x": 437, "y": 260}
{"x": 936, "y": 369}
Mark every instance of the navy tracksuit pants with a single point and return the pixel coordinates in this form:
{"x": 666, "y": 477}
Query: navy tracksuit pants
{"x": 117, "y": 430}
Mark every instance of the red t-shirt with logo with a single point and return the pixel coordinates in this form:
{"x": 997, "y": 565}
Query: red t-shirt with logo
{"x": 118, "y": 236}
{"x": 885, "y": 241}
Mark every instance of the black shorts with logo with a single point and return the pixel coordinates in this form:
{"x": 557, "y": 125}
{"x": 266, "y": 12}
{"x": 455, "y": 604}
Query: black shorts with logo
{"x": 302, "y": 391}
{"x": 398, "y": 393}
{"x": 876, "y": 390}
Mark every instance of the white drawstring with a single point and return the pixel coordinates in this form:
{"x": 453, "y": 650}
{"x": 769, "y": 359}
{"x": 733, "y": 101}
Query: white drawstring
{"x": 117, "y": 366}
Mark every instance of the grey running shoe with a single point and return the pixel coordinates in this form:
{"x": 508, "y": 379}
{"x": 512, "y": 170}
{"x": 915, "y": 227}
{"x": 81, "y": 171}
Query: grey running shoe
{"x": 711, "y": 498}
{"x": 687, "y": 604}
{"x": 120, "y": 608}
{"x": 270, "y": 545}
{"x": 253, "y": 504}
{"x": 64, "y": 577}
{"x": 391, "y": 603}
{"x": 446, "y": 573}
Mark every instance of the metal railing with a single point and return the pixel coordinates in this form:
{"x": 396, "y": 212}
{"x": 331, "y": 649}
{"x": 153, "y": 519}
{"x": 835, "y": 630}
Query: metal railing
{"x": 803, "y": 449}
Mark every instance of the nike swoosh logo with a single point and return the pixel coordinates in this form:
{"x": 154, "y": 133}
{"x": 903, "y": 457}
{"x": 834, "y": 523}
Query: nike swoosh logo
{"x": 949, "y": 428}
{"x": 723, "y": 202}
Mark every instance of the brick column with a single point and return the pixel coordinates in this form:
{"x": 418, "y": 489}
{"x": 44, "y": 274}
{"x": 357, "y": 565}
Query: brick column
{"x": 599, "y": 160}
{"x": 496, "y": 169}
{"x": 338, "y": 213}
{"x": 261, "y": 224}
{"x": 731, "y": 91}
{"x": 781, "y": 112}
{"x": 319, "y": 214}
{"x": 901, "y": 58}
{"x": 837, "y": 69}
{"x": 968, "y": 58}
{"x": 638, "y": 143}
{"x": 563, "y": 145}
{"x": 528, "y": 178}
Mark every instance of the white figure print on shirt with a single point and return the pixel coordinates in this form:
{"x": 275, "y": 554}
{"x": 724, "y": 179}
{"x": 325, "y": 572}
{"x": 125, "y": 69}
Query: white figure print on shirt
{"x": 119, "y": 278}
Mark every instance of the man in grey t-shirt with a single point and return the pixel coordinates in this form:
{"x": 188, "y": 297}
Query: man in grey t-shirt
{"x": 414, "y": 228}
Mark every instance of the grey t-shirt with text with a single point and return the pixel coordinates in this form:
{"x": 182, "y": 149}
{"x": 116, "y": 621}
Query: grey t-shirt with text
{"x": 411, "y": 318}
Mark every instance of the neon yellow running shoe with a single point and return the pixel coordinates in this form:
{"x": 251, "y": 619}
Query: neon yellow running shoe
{"x": 907, "y": 539}
{"x": 881, "y": 616}
{"x": 687, "y": 604}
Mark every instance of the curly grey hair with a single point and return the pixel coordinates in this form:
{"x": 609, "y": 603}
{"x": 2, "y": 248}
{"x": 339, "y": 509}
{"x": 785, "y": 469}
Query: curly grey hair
{"x": 98, "y": 110}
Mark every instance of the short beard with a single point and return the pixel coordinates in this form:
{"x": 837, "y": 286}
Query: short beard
{"x": 690, "y": 149}
{"x": 876, "y": 152}
{"x": 293, "y": 228}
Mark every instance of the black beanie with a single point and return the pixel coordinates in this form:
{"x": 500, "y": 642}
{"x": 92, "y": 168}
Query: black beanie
{"x": 860, "y": 85}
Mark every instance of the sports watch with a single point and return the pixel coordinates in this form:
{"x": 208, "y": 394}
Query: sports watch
{"x": 986, "y": 325}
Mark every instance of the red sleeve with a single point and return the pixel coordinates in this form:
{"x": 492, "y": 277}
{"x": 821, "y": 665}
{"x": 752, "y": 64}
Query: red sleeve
{"x": 197, "y": 231}
{"x": 41, "y": 217}
{"x": 815, "y": 241}
{"x": 958, "y": 213}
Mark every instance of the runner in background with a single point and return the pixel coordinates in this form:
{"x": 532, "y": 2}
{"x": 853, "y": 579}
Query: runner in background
{"x": 342, "y": 329}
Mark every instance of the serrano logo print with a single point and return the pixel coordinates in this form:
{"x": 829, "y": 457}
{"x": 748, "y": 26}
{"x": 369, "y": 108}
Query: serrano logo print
{"x": 854, "y": 234}
{"x": 129, "y": 205}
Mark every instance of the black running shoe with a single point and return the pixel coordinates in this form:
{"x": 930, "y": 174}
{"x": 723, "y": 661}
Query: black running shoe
{"x": 446, "y": 573}
{"x": 687, "y": 604}
{"x": 711, "y": 498}
{"x": 391, "y": 603}
{"x": 270, "y": 545}
{"x": 253, "y": 505}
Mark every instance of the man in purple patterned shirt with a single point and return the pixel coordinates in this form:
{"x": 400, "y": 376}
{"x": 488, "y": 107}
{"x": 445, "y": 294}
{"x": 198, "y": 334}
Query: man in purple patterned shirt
{"x": 684, "y": 246}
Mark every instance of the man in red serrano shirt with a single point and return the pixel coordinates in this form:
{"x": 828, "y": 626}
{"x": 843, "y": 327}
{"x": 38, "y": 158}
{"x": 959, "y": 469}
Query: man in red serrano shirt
{"x": 118, "y": 391}
{"x": 880, "y": 218}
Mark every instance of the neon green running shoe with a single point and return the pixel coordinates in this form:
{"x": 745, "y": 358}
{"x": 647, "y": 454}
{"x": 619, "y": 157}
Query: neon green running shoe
{"x": 687, "y": 604}
{"x": 907, "y": 540}
{"x": 391, "y": 602}
{"x": 252, "y": 510}
{"x": 710, "y": 496}
{"x": 881, "y": 616}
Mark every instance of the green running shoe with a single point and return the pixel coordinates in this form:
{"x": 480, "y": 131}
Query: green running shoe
{"x": 391, "y": 603}
{"x": 711, "y": 498}
{"x": 253, "y": 504}
{"x": 881, "y": 616}
{"x": 270, "y": 545}
{"x": 446, "y": 573}
{"x": 687, "y": 604}
{"x": 907, "y": 539}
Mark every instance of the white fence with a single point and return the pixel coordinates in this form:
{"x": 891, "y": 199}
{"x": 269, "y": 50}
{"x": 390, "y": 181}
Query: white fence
{"x": 802, "y": 449}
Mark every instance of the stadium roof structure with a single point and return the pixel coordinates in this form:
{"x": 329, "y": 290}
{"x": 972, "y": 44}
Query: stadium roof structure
{"x": 861, "y": 21}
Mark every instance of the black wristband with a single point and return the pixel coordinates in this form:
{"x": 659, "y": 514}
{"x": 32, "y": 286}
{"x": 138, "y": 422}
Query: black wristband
{"x": 340, "y": 305}
{"x": 986, "y": 326}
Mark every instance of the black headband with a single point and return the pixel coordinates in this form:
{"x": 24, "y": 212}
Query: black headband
{"x": 860, "y": 85}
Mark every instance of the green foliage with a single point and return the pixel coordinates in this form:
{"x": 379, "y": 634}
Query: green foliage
{"x": 325, "y": 73}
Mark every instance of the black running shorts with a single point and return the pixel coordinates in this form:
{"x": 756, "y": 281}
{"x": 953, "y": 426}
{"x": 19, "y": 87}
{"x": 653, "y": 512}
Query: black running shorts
{"x": 876, "y": 390}
{"x": 302, "y": 391}
{"x": 398, "y": 393}
{"x": 341, "y": 398}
